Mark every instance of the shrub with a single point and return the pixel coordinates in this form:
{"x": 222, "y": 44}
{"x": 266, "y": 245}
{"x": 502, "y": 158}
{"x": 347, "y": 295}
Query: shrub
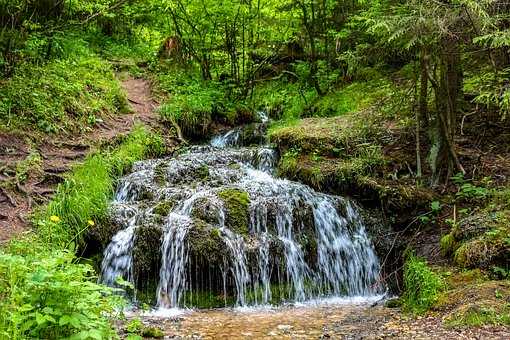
{"x": 421, "y": 285}
{"x": 44, "y": 294}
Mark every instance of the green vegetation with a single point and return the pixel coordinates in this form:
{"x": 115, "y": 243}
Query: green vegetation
{"x": 472, "y": 299}
{"x": 421, "y": 285}
{"x": 44, "y": 292}
{"x": 401, "y": 104}
{"x": 81, "y": 201}
{"x": 136, "y": 327}
{"x": 61, "y": 95}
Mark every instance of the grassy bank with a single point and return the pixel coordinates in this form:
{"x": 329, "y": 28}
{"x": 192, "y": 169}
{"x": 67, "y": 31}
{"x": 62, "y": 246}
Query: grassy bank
{"x": 68, "y": 93}
{"x": 45, "y": 292}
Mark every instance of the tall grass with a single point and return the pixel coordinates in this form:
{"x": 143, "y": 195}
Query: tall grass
{"x": 81, "y": 200}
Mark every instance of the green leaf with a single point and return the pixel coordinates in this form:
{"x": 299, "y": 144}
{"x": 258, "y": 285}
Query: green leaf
{"x": 39, "y": 318}
{"x": 95, "y": 334}
{"x": 64, "y": 320}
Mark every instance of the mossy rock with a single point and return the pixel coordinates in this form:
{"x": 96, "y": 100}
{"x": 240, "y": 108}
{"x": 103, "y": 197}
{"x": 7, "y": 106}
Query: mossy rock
{"x": 147, "y": 256}
{"x": 205, "y": 210}
{"x": 393, "y": 303}
{"x": 202, "y": 172}
{"x": 253, "y": 134}
{"x": 205, "y": 241}
{"x": 482, "y": 252}
{"x": 160, "y": 173}
{"x": 163, "y": 208}
{"x": 448, "y": 244}
{"x": 102, "y": 233}
{"x": 152, "y": 332}
{"x": 236, "y": 203}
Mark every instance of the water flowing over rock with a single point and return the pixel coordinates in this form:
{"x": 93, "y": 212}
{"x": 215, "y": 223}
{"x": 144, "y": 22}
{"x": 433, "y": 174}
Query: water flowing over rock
{"x": 233, "y": 234}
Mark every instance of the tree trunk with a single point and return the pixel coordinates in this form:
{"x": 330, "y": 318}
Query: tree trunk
{"x": 422, "y": 111}
{"x": 448, "y": 95}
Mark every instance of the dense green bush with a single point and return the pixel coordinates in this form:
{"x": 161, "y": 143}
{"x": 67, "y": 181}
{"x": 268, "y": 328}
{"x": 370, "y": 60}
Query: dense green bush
{"x": 45, "y": 294}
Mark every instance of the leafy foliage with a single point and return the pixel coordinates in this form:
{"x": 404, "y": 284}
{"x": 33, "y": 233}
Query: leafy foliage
{"x": 45, "y": 294}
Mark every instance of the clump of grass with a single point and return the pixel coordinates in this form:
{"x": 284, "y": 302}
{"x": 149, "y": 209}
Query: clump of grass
{"x": 421, "y": 285}
{"x": 81, "y": 200}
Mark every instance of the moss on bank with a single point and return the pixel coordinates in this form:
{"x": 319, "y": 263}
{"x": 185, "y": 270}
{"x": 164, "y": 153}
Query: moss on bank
{"x": 352, "y": 154}
{"x": 473, "y": 299}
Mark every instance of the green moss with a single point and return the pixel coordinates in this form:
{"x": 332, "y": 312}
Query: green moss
{"x": 236, "y": 203}
{"x": 477, "y": 316}
{"x": 473, "y": 300}
{"x": 448, "y": 244}
{"x": 163, "y": 208}
{"x": 152, "y": 332}
{"x": 202, "y": 172}
{"x": 421, "y": 286}
{"x": 393, "y": 303}
{"x": 160, "y": 173}
{"x": 205, "y": 242}
{"x": 146, "y": 261}
{"x": 479, "y": 252}
{"x": 137, "y": 327}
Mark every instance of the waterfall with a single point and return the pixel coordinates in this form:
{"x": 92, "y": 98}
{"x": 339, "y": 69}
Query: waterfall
{"x": 281, "y": 241}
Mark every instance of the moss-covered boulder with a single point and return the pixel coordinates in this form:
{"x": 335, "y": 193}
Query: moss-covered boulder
{"x": 206, "y": 210}
{"x": 147, "y": 260}
{"x": 205, "y": 242}
{"x": 479, "y": 240}
{"x": 236, "y": 204}
{"x": 163, "y": 208}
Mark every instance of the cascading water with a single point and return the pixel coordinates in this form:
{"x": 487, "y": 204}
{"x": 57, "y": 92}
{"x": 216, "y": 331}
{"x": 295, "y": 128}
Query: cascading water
{"x": 235, "y": 234}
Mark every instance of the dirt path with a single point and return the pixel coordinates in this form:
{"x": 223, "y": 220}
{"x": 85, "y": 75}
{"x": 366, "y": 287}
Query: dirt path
{"x": 31, "y": 165}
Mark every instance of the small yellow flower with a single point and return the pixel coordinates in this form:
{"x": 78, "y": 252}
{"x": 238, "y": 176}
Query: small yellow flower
{"x": 54, "y": 218}
{"x": 91, "y": 223}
